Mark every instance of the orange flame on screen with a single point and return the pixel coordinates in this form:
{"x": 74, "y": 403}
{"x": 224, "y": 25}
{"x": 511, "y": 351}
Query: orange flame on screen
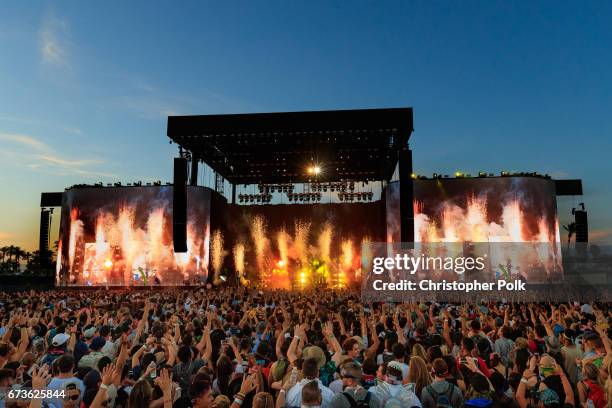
{"x": 123, "y": 253}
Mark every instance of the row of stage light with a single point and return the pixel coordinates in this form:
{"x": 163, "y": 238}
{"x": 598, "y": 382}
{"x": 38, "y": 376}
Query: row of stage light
{"x": 271, "y": 188}
{"x": 119, "y": 184}
{"x": 304, "y": 197}
{"x": 341, "y": 186}
{"x": 254, "y": 198}
{"x": 314, "y": 187}
{"x": 482, "y": 174}
{"x": 366, "y": 196}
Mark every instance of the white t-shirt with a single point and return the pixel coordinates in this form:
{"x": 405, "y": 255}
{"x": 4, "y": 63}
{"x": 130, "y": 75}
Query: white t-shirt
{"x": 294, "y": 395}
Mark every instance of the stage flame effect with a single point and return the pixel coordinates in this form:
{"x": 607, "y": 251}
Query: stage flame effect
{"x": 471, "y": 224}
{"x": 124, "y": 245}
{"x": 456, "y": 224}
{"x": 297, "y": 258}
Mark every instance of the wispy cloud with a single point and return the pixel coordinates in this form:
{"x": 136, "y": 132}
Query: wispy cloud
{"x": 38, "y": 156}
{"x": 35, "y": 122}
{"x": 53, "y": 159}
{"x": 23, "y": 140}
{"x": 53, "y": 43}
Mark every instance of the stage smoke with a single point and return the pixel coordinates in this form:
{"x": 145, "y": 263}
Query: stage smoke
{"x": 155, "y": 228}
{"x": 366, "y": 255}
{"x": 283, "y": 246}
{"x": 324, "y": 242}
{"x": 258, "y": 234}
{"x": 238, "y": 252}
{"x": 300, "y": 241}
{"x": 76, "y": 233}
{"x": 217, "y": 254}
{"x": 347, "y": 254}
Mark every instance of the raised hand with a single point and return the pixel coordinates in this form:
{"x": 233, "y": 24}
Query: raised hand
{"x": 40, "y": 377}
{"x": 249, "y": 383}
{"x": 328, "y": 330}
{"x": 164, "y": 381}
{"x": 108, "y": 374}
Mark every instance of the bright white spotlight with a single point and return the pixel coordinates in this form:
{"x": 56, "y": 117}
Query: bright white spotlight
{"x": 316, "y": 170}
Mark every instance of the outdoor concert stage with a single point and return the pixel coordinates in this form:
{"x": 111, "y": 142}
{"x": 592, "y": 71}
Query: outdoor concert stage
{"x": 296, "y": 197}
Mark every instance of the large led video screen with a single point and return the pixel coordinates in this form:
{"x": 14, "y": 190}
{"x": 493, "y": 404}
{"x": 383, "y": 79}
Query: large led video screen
{"x": 294, "y": 246}
{"x": 495, "y": 210}
{"x": 122, "y": 236}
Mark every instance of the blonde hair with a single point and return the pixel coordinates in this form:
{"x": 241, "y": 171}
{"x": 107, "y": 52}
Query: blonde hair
{"x": 419, "y": 351}
{"x": 222, "y": 401}
{"x": 263, "y": 400}
{"x": 418, "y": 374}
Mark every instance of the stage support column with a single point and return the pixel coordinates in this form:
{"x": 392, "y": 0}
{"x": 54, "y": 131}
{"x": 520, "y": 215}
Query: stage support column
{"x": 43, "y": 243}
{"x": 193, "y": 181}
{"x": 233, "y": 193}
{"x": 406, "y": 195}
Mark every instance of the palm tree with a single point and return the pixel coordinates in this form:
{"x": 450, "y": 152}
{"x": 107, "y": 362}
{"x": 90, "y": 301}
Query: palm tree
{"x": 34, "y": 262}
{"x": 9, "y": 252}
{"x": 19, "y": 253}
{"x": 3, "y": 253}
{"x": 27, "y": 257}
{"x": 9, "y": 263}
{"x": 571, "y": 229}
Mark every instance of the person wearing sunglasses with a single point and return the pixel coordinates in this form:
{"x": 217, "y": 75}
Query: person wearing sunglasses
{"x": 65, "y": 381}
{"x": 354, "y": 394}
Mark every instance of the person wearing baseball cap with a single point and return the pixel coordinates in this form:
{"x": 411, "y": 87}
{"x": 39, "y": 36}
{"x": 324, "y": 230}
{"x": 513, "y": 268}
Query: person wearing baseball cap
{"x": 60, "y": 344}
{"x": 60, "y": 340}
{"x": 440, "y": 389}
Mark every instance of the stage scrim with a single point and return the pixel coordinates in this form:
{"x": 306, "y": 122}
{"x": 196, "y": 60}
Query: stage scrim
{"x": 123, "y": 236}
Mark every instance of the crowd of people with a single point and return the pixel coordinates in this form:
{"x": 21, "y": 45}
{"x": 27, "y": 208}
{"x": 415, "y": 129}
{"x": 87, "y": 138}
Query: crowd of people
{"x": 239, "y": 347}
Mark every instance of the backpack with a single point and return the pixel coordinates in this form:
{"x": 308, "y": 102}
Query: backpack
{"x": 364, "y": 403}
{"x": 403, "y": 399}
{"x": 595, "y": 393}
{"x": 442, "y": 399}
{"x": 478, "y": 402}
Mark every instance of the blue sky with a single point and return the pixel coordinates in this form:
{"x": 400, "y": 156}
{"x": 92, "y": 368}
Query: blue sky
{"x": 86, "y": 87}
